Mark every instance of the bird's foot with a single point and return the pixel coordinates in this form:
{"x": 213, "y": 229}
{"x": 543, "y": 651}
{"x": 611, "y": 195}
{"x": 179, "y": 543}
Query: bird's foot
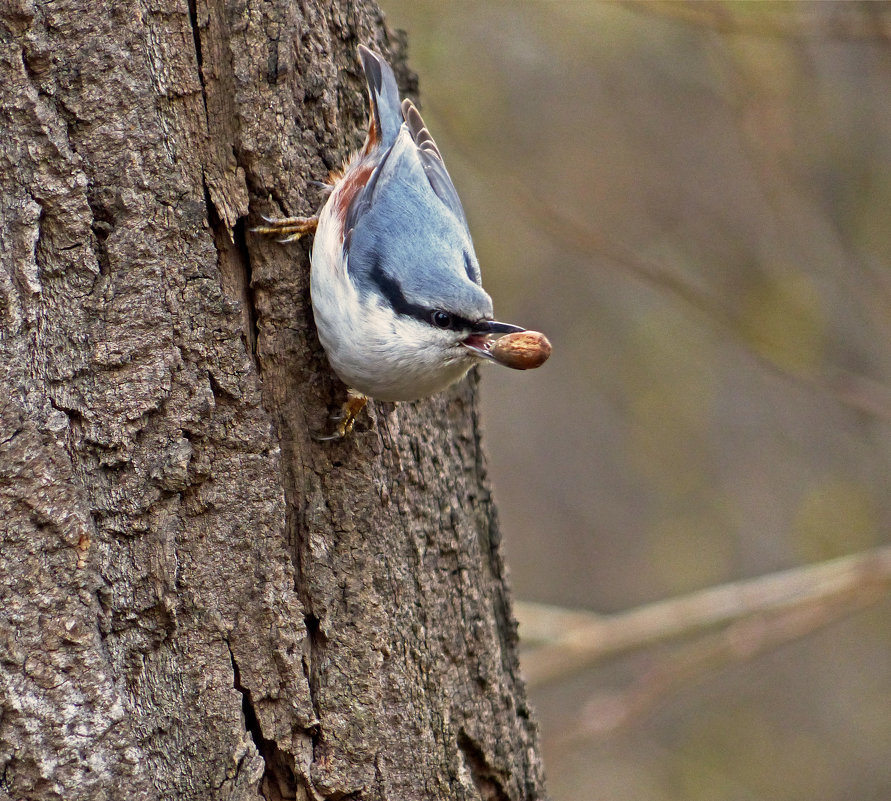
{"x": 346, "y": 418}
{"x": 288, "y": 229}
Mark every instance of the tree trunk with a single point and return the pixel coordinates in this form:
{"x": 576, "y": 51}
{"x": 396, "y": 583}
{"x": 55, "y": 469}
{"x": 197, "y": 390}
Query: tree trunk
{"x": 199, "y": 600}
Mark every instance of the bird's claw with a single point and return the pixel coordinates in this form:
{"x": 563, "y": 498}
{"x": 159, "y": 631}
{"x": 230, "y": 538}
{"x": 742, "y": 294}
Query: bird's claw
{"x": 290, "y": 228}
{"x": 345, "y": 418}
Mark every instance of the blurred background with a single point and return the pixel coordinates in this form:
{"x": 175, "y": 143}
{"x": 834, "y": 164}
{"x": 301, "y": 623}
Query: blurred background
{"x": 694, "y": 202}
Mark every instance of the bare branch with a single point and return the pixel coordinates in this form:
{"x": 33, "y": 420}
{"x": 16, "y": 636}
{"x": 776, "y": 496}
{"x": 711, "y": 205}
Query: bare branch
{"x": 574, "y": 640}
{"x": 606, "y": 712}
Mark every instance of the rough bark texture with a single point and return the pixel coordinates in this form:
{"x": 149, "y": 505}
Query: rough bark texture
{"x": 196, "y": 599}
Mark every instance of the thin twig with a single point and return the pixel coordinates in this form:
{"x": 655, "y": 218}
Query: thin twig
{"x": 575, "y": 640}
{"x": 607, "y": 712}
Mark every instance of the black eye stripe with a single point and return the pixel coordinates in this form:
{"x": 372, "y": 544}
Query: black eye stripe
{"x": 455, "y": 322}
{"x": 392, "y": 292}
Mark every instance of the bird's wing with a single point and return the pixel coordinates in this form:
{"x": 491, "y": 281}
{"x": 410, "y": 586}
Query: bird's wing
{"x": 431, "y": 160}
{"x": 409, "y": 152}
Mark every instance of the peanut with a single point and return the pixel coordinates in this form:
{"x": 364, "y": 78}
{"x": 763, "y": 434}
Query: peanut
{"x": 524, "y": 350}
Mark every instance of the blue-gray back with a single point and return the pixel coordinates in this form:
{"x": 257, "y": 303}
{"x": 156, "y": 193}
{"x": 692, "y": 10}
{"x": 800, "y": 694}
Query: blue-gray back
{"x": 407, "y": 223}
{"x": 401, "y": 228}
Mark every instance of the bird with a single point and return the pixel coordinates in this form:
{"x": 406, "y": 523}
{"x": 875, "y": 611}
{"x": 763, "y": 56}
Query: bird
{"x": 395, "y": 284}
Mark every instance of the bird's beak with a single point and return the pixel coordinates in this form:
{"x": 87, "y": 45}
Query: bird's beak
{"x": 484, "y": 332}
{"x": 491, "y": 327}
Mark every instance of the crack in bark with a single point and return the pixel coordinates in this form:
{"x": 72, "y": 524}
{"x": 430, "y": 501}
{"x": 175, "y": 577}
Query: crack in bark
{"x": 199, "y": 60}
{"x": 236, "y": 273}
{"x": 233, "y": 257}
{"x": 279, "y": 782}
{"x": 241, "y": 248}
{"x": 101, "y": 225}
{"x": 315, "y": 638}
{"x": 485, "y": 778}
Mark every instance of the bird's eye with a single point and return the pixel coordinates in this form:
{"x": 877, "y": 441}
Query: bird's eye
{"x": 441, "y": 319}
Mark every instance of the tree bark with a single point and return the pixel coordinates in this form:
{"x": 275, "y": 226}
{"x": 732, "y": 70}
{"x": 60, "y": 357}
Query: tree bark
{"x": 199, "y": 600}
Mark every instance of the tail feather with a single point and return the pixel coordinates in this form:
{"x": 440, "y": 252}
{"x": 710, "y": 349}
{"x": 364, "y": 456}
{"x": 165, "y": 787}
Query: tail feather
{"x": 384, "y": 94}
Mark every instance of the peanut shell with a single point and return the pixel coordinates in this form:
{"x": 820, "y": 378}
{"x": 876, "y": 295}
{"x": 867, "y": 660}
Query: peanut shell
{"x": 524, "y": 350}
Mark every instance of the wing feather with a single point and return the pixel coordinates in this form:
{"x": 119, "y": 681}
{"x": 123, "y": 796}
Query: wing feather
{"x": 431, "y": 160}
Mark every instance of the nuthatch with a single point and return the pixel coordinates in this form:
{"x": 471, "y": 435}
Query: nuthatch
{"x": 395, "y": 283}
